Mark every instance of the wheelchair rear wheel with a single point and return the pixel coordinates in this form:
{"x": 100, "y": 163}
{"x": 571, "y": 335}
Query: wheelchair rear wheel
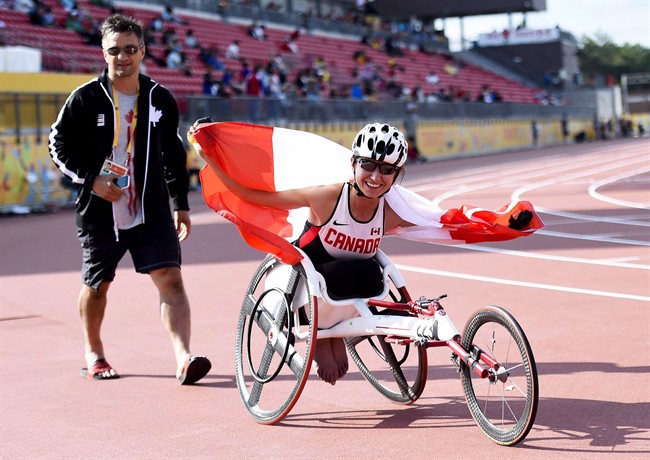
{"x": 505, "y": 404}
{"x": 276, "y": 336}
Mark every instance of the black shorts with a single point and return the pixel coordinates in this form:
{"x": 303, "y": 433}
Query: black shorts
{"x": 152, "y": 246}
{"x": 352, "y": 278}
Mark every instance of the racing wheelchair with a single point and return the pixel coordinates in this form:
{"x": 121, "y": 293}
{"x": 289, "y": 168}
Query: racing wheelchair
{"x": 388, "y": 341}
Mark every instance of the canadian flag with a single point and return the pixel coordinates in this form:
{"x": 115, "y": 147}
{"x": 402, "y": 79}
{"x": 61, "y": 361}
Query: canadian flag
{"x": 270, "y": 158}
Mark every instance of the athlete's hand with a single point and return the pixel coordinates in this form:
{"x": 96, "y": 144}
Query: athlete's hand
{"x": 183, "y": 224}
{"x": 192, "y": 129}
{"x": 520, "y": 220}
{"x": 105, "y": 188}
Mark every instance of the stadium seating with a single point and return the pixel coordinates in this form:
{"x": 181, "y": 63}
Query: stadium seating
{"x": 66, "y": 51}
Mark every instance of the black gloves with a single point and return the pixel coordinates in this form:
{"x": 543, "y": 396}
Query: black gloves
{"x": 203, "y": 120}
{"x": 521, "y": 220}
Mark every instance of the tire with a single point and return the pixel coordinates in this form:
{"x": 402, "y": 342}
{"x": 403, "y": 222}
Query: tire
{"x": 274, "y": 348}
{"x": 398, "y": 372}
{"x": 504, "y": 407}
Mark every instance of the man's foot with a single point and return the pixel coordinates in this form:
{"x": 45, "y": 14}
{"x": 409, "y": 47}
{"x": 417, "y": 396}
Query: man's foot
{"x": 195, "y": 368}
{"x": 331, "y": 359}
{"x": 100, "y": 370}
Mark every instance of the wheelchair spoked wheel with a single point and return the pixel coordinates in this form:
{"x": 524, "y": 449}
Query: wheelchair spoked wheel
{"x": 503, "y": 405}
{"x": 276, "y": 337}
{"x": 399, "y": 372}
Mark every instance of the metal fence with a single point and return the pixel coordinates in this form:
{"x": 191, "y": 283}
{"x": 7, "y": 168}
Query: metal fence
{"x": 38, "y": 111}
{"x": 271, "y": 110}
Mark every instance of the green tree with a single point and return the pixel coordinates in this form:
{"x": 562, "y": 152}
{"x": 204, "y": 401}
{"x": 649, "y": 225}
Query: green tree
{"x": 600, "y": 56}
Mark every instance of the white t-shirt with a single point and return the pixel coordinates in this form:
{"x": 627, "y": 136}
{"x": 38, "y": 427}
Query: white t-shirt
{"x": 128, "y": 209}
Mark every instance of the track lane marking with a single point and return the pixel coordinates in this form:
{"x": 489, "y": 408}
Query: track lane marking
{"x": 629, "y": 204}
{"x": 616, "y": 262}
{"x": 548, "y": 287}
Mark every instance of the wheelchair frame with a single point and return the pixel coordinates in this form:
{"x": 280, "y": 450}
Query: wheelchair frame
{"x": 279, "y": 316}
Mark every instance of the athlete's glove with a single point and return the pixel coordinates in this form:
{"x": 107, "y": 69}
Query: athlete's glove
{"x": 520, "y": 220}
{"x": 203, "y": 120}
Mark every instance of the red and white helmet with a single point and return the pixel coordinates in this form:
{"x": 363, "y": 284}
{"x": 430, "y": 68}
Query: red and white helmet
{"x": 381, "y": 142}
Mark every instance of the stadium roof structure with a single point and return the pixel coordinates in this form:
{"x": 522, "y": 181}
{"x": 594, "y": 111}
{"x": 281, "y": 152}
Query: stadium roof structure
{"x": 432, "y": 9}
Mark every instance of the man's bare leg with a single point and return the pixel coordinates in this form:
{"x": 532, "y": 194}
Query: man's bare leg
{"x": 174, "y": 312}
{"x": 92, "y": 305}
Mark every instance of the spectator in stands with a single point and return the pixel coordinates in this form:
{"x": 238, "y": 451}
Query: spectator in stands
{"x": 257, "y": 31}
{"x": 68, "y": 5}
{"x": 290, "y": 45}
{"x": 356, "y": 91}
{"x": 169, "y": 37}
{"x": 156, "y": 24}
{"x": 168, "y": 15}
{"x": 320, "y": 66}
{"x": 222, "y": 83}
{"x": 222, "y": 10}
{"x": 432, "y": 79}
{"x": 360, "y": 57}
{"x": 452, "y": 69}
{"x": 177, "y": 59}
{"x": 23, "y": 6}
{"x": 210, "y": 57}
{"x": 276, "y": 94}
{"x": 254, "y": 91}
{"x": 208, "y": 85}
{"x": 73, "y": 21}
{"x": 485, "y": 95}
{"x": 391, "y": 48}
{"x": 237, "y": 82}
{"x": 41, "y": 15}
{"x": 278, "y": 63}
{"x": 232, "y": 51}
{"x": 190, "y": 39}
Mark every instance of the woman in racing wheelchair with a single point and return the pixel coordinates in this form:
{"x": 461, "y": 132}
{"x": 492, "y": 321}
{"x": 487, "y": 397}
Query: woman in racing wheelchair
{"x": 344, "y": 228}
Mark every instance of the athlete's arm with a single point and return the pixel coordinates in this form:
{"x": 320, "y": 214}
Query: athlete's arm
{"x": 392, "y": 220}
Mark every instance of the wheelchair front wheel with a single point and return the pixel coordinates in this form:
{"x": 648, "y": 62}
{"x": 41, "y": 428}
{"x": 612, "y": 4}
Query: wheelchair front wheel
{"x": 276, "y": 334}
{"x": 504, "y": 404}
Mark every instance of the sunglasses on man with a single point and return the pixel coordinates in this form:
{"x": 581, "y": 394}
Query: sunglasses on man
{"x": 128, "y": 49}
{"x": 370, "y": 166}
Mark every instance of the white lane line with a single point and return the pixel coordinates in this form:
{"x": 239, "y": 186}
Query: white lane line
{"x": 516, "y": 195}
{"x": 549, "y": 287}
{"x": 630, "y": 204}
{"x": 620, "y": 262}
{"x": 562, "y": 175}
{"x": 601, "y": 238}
{"x": 621, "y": 220}
{"x": 534, "y": 167}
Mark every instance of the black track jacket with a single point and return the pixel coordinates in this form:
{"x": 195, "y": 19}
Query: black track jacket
{"x": 82, "y": 137}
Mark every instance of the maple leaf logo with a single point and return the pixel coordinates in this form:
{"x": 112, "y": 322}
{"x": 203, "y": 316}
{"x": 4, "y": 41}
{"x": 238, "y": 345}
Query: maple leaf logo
{"x": 154, "y": 115}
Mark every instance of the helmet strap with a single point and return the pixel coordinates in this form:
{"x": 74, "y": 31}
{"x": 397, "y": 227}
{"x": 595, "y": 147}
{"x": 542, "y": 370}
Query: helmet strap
{"x": 356, "y": 186}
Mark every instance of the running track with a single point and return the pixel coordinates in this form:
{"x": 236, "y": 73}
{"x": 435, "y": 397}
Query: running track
{"x": 580, "y": 289}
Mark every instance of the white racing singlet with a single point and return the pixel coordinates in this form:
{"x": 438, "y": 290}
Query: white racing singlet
{"x": 344, "y": 237}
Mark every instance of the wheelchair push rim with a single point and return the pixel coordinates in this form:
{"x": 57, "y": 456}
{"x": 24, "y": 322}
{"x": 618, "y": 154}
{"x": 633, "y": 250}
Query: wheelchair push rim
{"x": 275, "y": 341}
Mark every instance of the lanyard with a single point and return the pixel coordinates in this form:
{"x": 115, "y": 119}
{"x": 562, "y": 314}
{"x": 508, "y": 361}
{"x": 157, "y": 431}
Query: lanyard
{"x": 118, "y": 120}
